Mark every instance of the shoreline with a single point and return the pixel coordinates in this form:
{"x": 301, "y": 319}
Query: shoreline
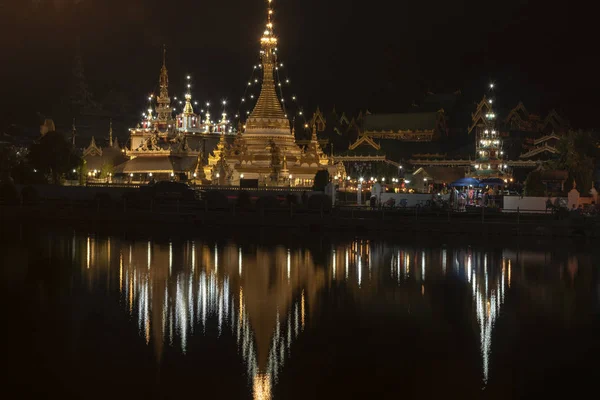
{"x": 337, "y": 222}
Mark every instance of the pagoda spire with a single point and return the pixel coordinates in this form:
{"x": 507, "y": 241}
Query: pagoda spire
{"x": 268, "y": 113}
{"x": 163, "y": 106}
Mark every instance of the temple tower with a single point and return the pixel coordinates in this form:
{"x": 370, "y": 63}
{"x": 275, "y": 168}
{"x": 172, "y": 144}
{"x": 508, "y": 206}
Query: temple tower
{"x": 163, "y": 101}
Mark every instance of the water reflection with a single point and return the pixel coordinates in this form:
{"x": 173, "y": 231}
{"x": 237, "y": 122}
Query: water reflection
{"x": 266, "y": 297}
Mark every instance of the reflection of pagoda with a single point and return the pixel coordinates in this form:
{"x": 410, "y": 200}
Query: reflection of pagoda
{"x": 267, "y": 150}
{"x": 262, "y": 297}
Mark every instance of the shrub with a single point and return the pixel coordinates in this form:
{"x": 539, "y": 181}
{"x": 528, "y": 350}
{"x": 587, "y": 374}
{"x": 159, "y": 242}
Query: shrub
{"x": 321, "y": 180}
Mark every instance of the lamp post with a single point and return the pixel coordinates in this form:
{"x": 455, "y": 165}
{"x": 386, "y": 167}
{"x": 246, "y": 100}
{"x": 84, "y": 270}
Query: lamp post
{"x": 359, "y": 190}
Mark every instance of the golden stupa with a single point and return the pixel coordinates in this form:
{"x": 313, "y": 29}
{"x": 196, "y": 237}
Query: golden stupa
{"x": 266, "y": 150}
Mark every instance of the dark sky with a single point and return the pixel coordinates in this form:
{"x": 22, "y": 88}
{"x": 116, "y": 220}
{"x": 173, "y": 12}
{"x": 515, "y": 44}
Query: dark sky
{"x": 371, "y": 54}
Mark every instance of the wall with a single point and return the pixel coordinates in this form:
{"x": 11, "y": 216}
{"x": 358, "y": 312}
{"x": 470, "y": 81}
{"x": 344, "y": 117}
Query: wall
{"x": 412, "y": 199}
{"x": 528, "y": 204}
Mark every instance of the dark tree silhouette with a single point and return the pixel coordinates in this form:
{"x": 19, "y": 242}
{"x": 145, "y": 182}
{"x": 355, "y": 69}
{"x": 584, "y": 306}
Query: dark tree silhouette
{"x": 321, "y": 180}
{"x": 53, "y": 155}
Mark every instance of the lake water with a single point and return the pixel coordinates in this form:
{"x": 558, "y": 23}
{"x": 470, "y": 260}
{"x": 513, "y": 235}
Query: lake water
{"x": 100, "y": 316}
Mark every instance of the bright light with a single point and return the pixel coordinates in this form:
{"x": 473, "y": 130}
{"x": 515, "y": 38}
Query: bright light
{"x": 150, "y": 174}
{"x": 424, "y": 179}
{"x": 348, "y": 178}
{"x": 406, "y": 181}
{"x": 382, "y": 179}
{"x": 172, "y": 174}
{"x": 218, "y": 175}
{"x": 194, "y": 174}
{"x": 360, "y": 179}
{"x": 241, "y": 176}
{"x": 400, "y": 167}
{"x": 290, "y": 176}
{"x": 131, "y": 175}
{"x": 74, "y": 171}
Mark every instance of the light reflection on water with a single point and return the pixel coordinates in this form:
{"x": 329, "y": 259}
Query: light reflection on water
{"x": 266, "y": 297}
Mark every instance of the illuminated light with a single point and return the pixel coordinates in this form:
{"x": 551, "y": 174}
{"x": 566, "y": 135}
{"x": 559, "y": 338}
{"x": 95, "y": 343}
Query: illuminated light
{"x": 424, "y": 179}
{"x": 348, "y": 178}
{"x": 194, "y": 174}
{"x": 490, "y": 101}
{"x": 406, "y": 181}
{"x": 400, "y": 167}
{"x": 241, "y": 176}
{"x": 293, "y": 97}
{"x": 256, "y": 81}
{"x": 172, "y": 174}
{"x": 224, "y": 102}
{"x": 175, "y": 98}
{"x": 251, "y": 96}
{"x": 243, "y": 99}
{"x": 249, "y": 83}
{"x": 131, "y": 175}
{"x": 491, "y": 85}
{"x": 207, "y": 104}
{"x": 150, "y": 174}
{"x": 218, "y": 175}
{"x": 300, "y": 113}
{"x": 382, "y": 179}
{"x": 360, "y": 179}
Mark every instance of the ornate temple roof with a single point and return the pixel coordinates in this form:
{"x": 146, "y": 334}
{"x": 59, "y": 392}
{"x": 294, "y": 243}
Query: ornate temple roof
{"x": 158, "y": 164}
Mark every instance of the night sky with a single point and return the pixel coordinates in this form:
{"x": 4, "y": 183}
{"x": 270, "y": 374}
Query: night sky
{"x": 375, "y": 54}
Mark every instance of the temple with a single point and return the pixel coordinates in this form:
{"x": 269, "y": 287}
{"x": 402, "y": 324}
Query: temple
{"x": 266, "y": 150}
{"x": 164, "y": 146}
{"x": 488, "y": 142}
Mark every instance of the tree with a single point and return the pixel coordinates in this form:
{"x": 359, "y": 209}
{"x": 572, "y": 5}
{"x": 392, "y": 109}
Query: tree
{"x": 578, "y": 154}
{"x": 106, "y": 170}
{"x": 53, "y": 155}
{"x": 321, "y": 180}
{"x": 534, "y": 185}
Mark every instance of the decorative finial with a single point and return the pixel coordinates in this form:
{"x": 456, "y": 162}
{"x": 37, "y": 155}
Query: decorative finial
{"x": 164, "y": 55}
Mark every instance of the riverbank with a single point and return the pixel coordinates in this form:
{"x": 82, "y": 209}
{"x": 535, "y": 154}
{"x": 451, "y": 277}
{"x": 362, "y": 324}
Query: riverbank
{"x": 195, "y": 217}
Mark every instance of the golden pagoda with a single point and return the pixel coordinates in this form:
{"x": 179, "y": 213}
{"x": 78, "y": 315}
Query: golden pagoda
{"x": 168, "y": 147}
{"x": 266, "y": 150}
